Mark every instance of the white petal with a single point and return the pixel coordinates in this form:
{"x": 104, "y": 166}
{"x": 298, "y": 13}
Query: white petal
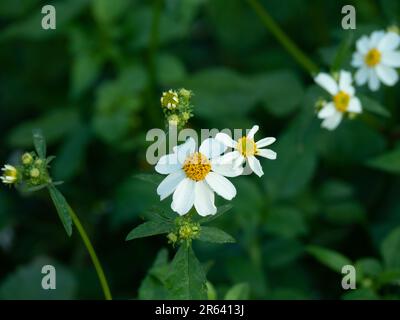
{"x": 387, "y": 75}
{"x": 183, "y": 197}
{"x": 375, "y": 38}
{"x": 362, "y": 44}
{"x": 169, "y": 184}
{"x": 239, "y": 161}
{"x": 373, "y": 82}
{"x": 361, "y": 76}
{"x": 332, "y": 122}
{"x": 226, "y": 140}
{"x": 265, "y": 142}
{"x": 327, "y": 111}
{"x": 212, "y": 148}
{"x": 357, "y": 60}
{"x": 227, "y": 170}
{"x": 186, "y": 149}
{"x": 252, "y": 132}
{"x": 345, "y": 81}
{"x": 327, "y": 82}
{"x": 391, "y": 58}
{"x": 228, "y": 158}
{"x": 354, "y": 105}
{"x": 204, "y": 199}
{"x": 390, "y": 41}
{"x": 168, "y": 164}
{"x": 221, "y": 185}
{"x": 267, "y": 153}
{"x": 255, "y": 165}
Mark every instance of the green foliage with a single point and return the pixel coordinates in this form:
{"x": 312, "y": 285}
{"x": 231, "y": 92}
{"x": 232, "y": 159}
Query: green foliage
{"x": 186, "y": 279}
{"x": 149, "y": 228}
{"x": 62, "y": 208}
{"x": 330, "y": 258}
{"x": 215, "y": 235}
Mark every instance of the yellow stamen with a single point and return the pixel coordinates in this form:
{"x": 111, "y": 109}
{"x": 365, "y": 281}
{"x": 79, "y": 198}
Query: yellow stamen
{"x": 247, "y": 147}
{"x": 341, "y": 101}
{"x": 372, "y": 58}
{"x": 197, "y": 166}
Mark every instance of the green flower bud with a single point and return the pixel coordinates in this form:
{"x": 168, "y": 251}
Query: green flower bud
{"x": 34, "y": 173}
{"x": 26, "y": 158}
{"x": 187, "y": 94}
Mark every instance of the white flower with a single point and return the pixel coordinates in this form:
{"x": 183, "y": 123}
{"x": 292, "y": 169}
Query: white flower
{"x": 193, "y": 177}
{"x": 376, "y": 57}
{"x": 169, "y": 99}
{"x": 343, "y": 99}
{"x": 246, "y": 149}
{"x": 10, "y": 174}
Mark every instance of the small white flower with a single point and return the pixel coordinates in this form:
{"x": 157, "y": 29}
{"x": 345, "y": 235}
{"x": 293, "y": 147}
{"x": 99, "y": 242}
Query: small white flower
{"x": 246, "y": 149}
{"x": 376, "y": 57}
{"x": 193, "y": 177}
{"x": 343, "y": 99}
{"x": 169, "y": 99}
{"x": 10, "y": 174}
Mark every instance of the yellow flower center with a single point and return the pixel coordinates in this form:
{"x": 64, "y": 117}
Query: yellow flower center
{"x": 372, "y": 58}
{"x": 247, "y": 147}
{"x": 197, "y": 166}
{"x": 341, "y": 100}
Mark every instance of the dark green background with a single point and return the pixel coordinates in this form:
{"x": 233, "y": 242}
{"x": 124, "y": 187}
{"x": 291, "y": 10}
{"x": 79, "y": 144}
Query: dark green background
{"x": 93, "y": 86}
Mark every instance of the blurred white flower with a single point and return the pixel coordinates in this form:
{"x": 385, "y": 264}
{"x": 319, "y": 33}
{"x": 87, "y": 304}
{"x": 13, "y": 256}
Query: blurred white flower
{"x": 193, "y": 177}
{"x": 10, "y": 174}
{"x": 376, "y": 59}
{"x": 246, "y": 149}
{"x": 343, "y": 99}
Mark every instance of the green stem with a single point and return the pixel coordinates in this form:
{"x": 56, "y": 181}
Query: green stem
{"x": 92, "y": 253}
{"x": 284, "y": 40}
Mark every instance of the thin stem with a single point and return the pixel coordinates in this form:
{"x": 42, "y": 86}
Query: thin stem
{"x": 284, "y": 40}
{"x": 92, "y": 253}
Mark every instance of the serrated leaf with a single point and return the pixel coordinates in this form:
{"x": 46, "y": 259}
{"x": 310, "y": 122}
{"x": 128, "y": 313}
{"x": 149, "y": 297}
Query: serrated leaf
{"x": 332, "y": 259}
{"x": 389, "y": 161}
{"x": 62, "y": 208}
{"x": 239, "y": 291}
{"x": 373, "y": 106}
{"x": 220, "y": 211}
{"x": 149, "y": 228}
{"x": 186, "y": 279}
{"x": 39, "y": 142}
{"x": 215, "y": 235}
{"x": 390, "y": 250}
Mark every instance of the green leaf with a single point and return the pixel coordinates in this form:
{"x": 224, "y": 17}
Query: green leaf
{"x": 39, "y": 142}
{"x": 390, "y": 249}
{"x": 389, "y": 161}
{"x": 239, "y": 291}
{"x": 285, "y": 221}
{"x": 343, "y": 51}
{"x": 220, "y": 211}
{"x": 281, "y": 92}
{"x": 215, "y": 235}
{"x": 62, "y": 207}
{"x": 186, "y": 279}
{"x": 361, "y": 294}
{"x": 149, "y": 228}
{"x": 332, "y": 259}
{"x": 153, "y": 285}
{"x": 368, "y": 268}
{"x": 25, "y": 282}
{"x": 373, "y": 106}
{"x": 106, "y": 11}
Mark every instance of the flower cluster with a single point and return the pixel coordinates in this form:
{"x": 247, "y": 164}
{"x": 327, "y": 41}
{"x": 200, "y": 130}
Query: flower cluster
{"x": 194, "y": 175}
{"x": 177, "y": 107}
{"x": 376, "y": 58}
{"x": 32, "y": 171}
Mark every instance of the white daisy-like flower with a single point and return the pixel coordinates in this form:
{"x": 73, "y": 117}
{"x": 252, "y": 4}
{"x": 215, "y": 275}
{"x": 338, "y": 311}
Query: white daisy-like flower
{"x": 10, "y": 174}
{"x": 246, "y": 149}
{"x": 194, "y": 176}
{"x": 376, "y": 57}
{"x": 343, "y": 99}
{"x": 169, "y": 99}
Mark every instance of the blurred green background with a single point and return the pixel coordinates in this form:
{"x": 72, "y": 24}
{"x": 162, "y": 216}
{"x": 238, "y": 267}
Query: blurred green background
{"x": 93, "y": 86}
